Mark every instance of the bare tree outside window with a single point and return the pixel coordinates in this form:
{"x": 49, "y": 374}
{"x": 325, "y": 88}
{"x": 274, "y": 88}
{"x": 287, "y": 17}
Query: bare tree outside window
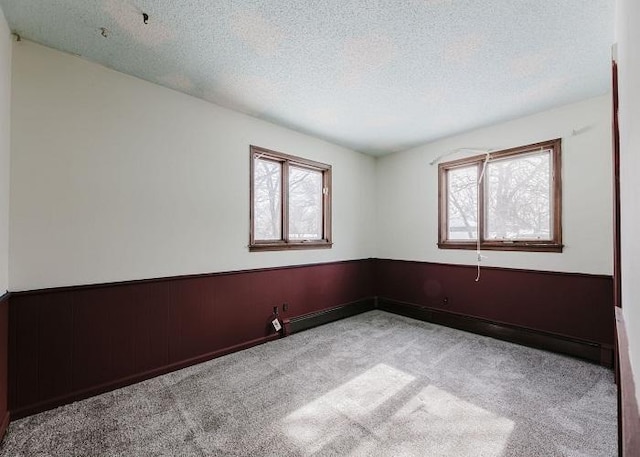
{"x": 463, "y": 203}
{"x": 305, "y": 204}
{"x": 518, "y": 198}
{"x": 267, "y": 199}
{"x": 290, "y": 202}
{"x": 516, "y": 206}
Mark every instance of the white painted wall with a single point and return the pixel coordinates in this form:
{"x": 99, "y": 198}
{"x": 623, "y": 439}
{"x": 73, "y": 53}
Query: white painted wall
{"x": 5, "y": 144}
{"x": 114, "y": 178}
{"x": 408, "y": 192}
{"x": 628, "y": 38}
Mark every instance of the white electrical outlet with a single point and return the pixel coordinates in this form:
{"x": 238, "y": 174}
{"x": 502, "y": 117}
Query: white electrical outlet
{"x": 276, "y": 325}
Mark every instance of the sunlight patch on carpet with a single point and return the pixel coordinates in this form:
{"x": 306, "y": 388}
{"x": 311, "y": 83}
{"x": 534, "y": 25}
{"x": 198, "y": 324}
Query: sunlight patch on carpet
{"x": 322, "y": 420}
{"x": 396, "y": 420}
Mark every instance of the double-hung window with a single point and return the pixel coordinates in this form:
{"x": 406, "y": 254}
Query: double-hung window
{"x": 506, "y": 200}
{"x": 290, "y": 202}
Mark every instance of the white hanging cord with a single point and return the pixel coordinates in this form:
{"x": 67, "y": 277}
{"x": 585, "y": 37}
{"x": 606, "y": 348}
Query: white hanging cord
{"x": 455, "y": 151}
{"x": 480, "y": 179}
{"x": 487, "y": 153}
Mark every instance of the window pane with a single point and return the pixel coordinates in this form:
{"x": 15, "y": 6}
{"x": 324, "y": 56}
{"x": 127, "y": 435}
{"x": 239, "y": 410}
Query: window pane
{"x": 518, "y": 198}
{"x": 267, "y": 198}
{"x": 462, "y": 204}
{"x": 305, "y": 204}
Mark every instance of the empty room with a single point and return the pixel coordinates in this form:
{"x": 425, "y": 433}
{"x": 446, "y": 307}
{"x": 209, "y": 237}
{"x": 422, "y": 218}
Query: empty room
{"x": 338, "y": 228}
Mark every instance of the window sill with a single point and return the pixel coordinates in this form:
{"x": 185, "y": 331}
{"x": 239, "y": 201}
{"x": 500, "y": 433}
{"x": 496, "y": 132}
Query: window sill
{"x": 524, "y": 246}
{"x": 322, "y": 244}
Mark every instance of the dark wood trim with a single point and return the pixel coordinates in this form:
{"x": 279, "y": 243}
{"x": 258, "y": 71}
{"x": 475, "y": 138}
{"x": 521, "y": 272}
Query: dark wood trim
{"x": 443, "y": 209}
{"x": 282, "y": 157}
{"x": 311, "y": 244}
{"x": 529, "y": 246}
{"x": 178, "y": 277}
{"x": 139, "y": 377}
{"x": 504, "y": 153}
{"x": 4, "y": 299}
{"x": 300, "y": 323}
{"x": 617, "y": 249}
{"x": 557, "y": 194}
{"x": 285, "y": 267}
{"x": 327, "y": 198}
{"x": 521, "y": 270}
{"x": 481, "y": 208}
{"x": 285, "y": 243}
{"x": 4, "y": 425}
{"x": 616, "y": 377}
{"x": 553, "y": 245}
{"x": 587, "y": 350}
{"x": 628, "y": 414}
{"x": 284, "y": 204}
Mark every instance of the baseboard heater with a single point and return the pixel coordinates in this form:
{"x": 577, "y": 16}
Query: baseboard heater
{"x": 588, "y": 350}
{"x": 307, "y": 321}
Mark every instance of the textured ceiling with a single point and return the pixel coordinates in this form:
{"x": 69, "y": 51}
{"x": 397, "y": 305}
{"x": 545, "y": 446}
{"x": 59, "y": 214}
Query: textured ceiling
{"x": 377, "y": 76}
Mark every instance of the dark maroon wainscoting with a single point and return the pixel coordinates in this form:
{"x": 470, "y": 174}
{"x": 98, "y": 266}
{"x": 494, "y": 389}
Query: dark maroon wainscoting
{"x": 570, "y": 305}
{"x": 71, "y": 343}
{"x": 628, "y": 413}
{"x": 4, "y": 365}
